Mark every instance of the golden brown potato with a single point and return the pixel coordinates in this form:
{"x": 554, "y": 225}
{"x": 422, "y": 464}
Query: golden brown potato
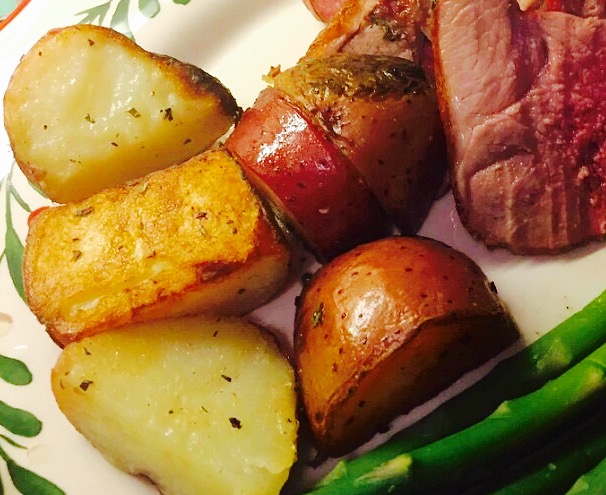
{"x": 385, "y": 327}
{"x": 87, "y": 108}
{"x": 187, "y": 239}
{"x": 198, "y": 405}
{"x": 383, "y": 115}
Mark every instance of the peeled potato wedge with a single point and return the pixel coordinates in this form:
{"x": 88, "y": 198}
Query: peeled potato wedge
{"x": 387, "y": 326}
{"x": 188, "y": 239}
{"x": 197, "y": 405}
{"x": 87, "y": 108}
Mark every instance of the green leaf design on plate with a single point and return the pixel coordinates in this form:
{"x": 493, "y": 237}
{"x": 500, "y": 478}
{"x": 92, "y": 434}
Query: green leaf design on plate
{"x": 119, "y": 20}
{"x": 14, "y": 257}
{"x": 26, "y": 481}
{"x": 12, "y": 442}
{"x": 30, "y": 483}
{"x": 15, "y": 194}
{"x": 149, "y": 8}
{"x": 13, "y": 247}
{"x": 14, "y": 371}
{"x": 19, "y": 421}
{"x": 95, "y": 15}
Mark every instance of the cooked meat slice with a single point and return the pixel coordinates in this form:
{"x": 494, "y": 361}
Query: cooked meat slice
{"x": 385, "y": 27}
{"x": 583, "y": 8}
{"x": 523, "y": 100}
{"x": 324, "y": 10}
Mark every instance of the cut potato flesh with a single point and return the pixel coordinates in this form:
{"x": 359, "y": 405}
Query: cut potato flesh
{"x": 192, "y": 238}
{"x": 198, "y": 405}
{"x": 87, "y": 108}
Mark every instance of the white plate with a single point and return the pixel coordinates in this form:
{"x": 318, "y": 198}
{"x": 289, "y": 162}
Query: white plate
{"x": 237, "y": 41}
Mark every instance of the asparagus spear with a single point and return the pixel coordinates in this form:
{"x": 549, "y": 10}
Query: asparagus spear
{"x": 591, "y": 483}
{"x": 556, "y": 351}
{"x": 474, "y": 453}
{"x": 556, "y": 466}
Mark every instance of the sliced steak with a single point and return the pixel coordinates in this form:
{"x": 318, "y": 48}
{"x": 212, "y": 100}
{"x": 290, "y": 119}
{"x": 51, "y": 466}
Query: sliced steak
{"x": 523, "y": 99}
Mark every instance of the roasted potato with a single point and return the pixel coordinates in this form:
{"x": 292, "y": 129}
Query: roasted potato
{"x": 191, "y": 238}
{"x": 197, "y": 405}
{"x": 312, "y": 185}
{"x": 385, "y": 327}
{"x": 382, "y": 113}
{"x": 87, "y": 108}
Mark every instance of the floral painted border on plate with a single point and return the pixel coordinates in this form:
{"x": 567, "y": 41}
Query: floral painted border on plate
{"x": 20, "y": 423}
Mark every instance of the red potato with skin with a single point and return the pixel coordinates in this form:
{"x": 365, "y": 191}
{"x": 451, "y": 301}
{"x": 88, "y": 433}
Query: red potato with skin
{"x": 311, "y": 185}
{"x": 383, "y": 114}
{"x": 387, "y": 326}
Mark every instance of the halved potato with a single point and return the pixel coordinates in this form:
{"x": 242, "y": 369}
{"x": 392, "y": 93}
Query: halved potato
{"x": 313, "y": 187}
{"x": 188, "y": 239}
{"x": 382, "y": 113}
{"x": 385, "y": 327}
{"x": 87, "y": 108}
{"x": 198, "y": 405}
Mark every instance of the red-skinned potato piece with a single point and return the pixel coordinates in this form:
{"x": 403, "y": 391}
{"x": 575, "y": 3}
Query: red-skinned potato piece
{"x": 387, "y": 326}
{"x": 383, "y": 114}
{"x": 310, "y": 184}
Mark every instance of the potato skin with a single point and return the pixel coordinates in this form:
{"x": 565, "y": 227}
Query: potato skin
{"x": 188, "y": 239}
{"x": 312, "y": 185}
{"x": 383, "y": 115}
{"x": 385, "y": 327}
{"x": 87, "y": 108}
{"x": 198, "y": 405}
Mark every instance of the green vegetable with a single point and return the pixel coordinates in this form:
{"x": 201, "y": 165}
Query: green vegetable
{"x": 546, "y": 358}
{"x": 555, "y": 466}
{"x": 476, "y": 453}
{"x": 591, "y": 483}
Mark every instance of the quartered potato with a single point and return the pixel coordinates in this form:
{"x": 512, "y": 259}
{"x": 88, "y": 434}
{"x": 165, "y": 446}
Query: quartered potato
{"x": 312, "y": 186}
{"x": 197, "y": 405}
{"x": 387, "y": 326}
{"x": 87, "y": 108}
{"x": 191, "y": 238}
{"x": 383, "y": 115}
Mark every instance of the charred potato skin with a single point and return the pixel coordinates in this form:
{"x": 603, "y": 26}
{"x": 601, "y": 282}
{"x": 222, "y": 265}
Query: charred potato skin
{"x": 382, "y": 113}
{"x": 73, "y": 135}
{"x": 191, "y": 238}
{"x": 387, "y": 326}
